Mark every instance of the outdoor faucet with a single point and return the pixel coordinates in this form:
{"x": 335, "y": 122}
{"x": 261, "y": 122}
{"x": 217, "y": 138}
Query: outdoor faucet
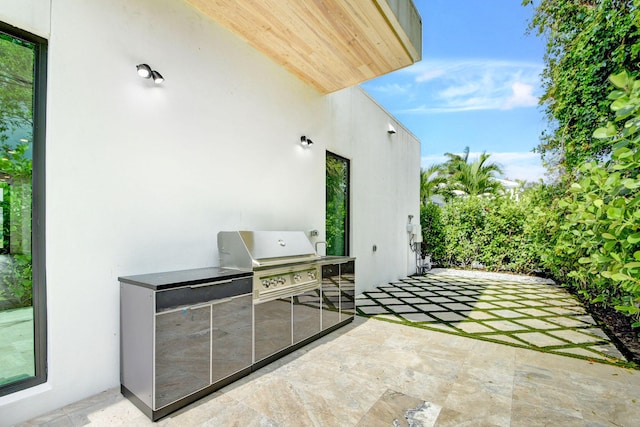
{"x": 325, "y": 245}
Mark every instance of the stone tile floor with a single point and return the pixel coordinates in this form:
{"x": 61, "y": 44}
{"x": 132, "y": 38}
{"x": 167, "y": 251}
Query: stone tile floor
{"x": 374, "y": 373}
{"x": 379, "y": 373}
{"x": 515, "y": 310}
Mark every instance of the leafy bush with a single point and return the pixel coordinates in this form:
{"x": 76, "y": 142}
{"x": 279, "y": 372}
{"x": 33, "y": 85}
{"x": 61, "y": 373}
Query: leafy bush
{"x": 598, "y": 245}
{"x": 498, "y": 234}
{"x": 586, "y": 236}
{"x": 463, "y": 220}
{"x": 432, "y": 232}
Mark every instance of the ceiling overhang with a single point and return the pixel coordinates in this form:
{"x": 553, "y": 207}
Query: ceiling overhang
{"x": 329, "y": 44}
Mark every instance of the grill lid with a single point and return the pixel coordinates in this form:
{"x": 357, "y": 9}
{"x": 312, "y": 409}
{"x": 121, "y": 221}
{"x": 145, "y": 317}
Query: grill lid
{"x": 252, "y": 249}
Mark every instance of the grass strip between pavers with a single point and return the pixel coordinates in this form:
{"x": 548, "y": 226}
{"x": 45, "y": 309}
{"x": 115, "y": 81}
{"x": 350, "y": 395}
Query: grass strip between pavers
{"x": 547, "y": 306}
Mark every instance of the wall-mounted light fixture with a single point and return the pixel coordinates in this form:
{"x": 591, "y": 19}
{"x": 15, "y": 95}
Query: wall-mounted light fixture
{"x": 390, "y": 129}
{"x": 305, "y": 142}
{"x": 145, "y": 71}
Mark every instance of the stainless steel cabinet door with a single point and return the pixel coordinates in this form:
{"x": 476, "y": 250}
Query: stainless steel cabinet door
{"x": 347, "y": 290}
{"x": 306, "y": 315}
{"x": 272, "y": 327}
{"x": 183, "y": 344}
{"x": 231, "y": 350}
{"x": 330, "y": 295}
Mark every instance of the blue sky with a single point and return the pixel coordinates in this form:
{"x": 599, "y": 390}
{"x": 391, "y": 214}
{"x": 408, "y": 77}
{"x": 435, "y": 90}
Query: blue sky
{"x": 477, "y": 85}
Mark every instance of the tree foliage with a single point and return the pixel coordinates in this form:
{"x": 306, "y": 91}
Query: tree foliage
{"x": 471, "y": 178}
{"x": 599, "y": 240}
{"x": 16, "y": 129}
{"x": 497, "y": 234}
{"x": 336, "y": 205}
{"x": 432, "y": 232}
{"x": 16, "y": 85}
{"x": 459, "y": 176}
{"x": 431, "y": 182}
{"x": 587, "y": 40}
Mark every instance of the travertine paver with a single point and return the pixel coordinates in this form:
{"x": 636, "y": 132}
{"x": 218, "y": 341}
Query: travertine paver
{"x": 372, "y": 310}
{"x": 513, "y": 309}
{"x": 389, "y": 301}
{"x": 575, "y": 336}
{"x": 538, "y": 339}
{"x": 504, "y": 325}
{"x": 417, "y": 317}
{"x": 473, "y": 328}
{"x": 430, "y": 307}
{"x": 537, "y": 324}
{"x": 404, "y": 308}
{"x": 373, "y": 373}
{"x": 448, "y": 316}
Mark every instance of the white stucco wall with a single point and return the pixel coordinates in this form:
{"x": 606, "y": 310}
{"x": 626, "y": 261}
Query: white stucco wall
{"x": 385, "y": 185}
{"x": 140, "y": 178}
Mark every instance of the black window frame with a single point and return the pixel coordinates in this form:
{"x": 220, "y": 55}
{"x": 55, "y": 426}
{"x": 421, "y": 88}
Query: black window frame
{"x": 347, "y": 220}
{"x": 38, "y": 210}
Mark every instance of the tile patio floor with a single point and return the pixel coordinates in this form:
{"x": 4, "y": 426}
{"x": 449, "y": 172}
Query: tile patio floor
{"x": 516, "y": 310}
{"x": 379, "y": 373}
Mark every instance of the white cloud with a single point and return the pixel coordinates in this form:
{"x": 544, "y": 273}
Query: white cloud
{"x": 393, "y": 89}
{"x": 516, "y": 165}
{"x": 429, "y": 75}
{"x": 522, "y": 96}
{"x": 473, "y": 84}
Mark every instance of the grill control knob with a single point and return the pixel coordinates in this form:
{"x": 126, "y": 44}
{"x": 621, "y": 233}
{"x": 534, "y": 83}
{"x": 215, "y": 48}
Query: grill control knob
{"x": 296, "y": 277}
{"x": 272, "y": 282}
{"x": 281, "y": 280}
{"x": 265, "y": 283}
{"x": 312, "y": 275}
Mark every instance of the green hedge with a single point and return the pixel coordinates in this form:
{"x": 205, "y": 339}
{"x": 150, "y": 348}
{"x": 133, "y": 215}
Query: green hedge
{"x": 497, "y": 234}
{"x": 587, "y": 237}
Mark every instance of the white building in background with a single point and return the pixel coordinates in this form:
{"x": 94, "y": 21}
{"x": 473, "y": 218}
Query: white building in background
{"x": 141, "y": 177}
{"x": 511, "y": 188}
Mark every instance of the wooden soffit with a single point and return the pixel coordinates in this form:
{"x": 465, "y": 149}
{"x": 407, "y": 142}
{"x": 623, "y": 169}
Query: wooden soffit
{"x": 329, "y": 44}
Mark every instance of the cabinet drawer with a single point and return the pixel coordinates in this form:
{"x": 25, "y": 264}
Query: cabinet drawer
{"x": 200, "y": 293}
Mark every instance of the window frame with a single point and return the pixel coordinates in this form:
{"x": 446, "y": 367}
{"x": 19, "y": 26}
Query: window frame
{"x": 347, "y": 219}
{"x": 38, "y": 210}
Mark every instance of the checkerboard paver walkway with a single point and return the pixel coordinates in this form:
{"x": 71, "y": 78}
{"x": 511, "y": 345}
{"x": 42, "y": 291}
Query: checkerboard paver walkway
{"x": 540, "y": 316}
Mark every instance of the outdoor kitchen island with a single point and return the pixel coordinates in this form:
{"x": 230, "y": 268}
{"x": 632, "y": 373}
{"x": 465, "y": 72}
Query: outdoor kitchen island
{"x": 185, "y": 334}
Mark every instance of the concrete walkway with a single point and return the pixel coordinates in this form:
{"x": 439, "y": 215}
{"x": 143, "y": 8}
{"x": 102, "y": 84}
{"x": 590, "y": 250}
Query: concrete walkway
{"x": 516, "y": 310}
{"x": 377, "y": 373}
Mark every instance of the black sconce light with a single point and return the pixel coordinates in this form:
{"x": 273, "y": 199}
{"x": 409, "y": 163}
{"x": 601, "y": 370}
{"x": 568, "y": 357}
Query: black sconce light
{"x": 305, "y": 142}
{"x": 145, "y": 71}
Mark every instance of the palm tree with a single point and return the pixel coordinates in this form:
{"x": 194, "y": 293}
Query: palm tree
{"x": 456, "y": 161}
{"x": 475, "y": 178}
{"x": 431, "y": 180}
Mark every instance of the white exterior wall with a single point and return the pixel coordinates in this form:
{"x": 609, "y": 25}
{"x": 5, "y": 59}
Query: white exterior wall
{"x": 385, "y": 185}
{"x": 140, "y": 178}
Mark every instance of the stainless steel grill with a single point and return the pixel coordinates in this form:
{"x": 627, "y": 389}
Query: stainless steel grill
{"x": 284, "y": 262}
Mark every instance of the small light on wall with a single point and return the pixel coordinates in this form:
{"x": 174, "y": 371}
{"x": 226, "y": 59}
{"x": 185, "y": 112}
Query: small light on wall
{"x": 305, "y": 142}
{"x": 145, "y": 71}
{"x": 157, "y": 77}
{"x": 390, "y": 129}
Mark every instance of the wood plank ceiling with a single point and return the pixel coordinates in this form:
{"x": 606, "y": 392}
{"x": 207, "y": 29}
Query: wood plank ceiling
{"x": 329, "y": 44}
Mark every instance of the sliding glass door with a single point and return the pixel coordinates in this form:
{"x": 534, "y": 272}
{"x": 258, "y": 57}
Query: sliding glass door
{"x": 22, "y": 297}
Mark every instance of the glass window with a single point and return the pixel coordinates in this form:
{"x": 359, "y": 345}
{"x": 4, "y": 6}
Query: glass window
{"x": 337, "y": 205}
{"x": 22, "y": 303}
